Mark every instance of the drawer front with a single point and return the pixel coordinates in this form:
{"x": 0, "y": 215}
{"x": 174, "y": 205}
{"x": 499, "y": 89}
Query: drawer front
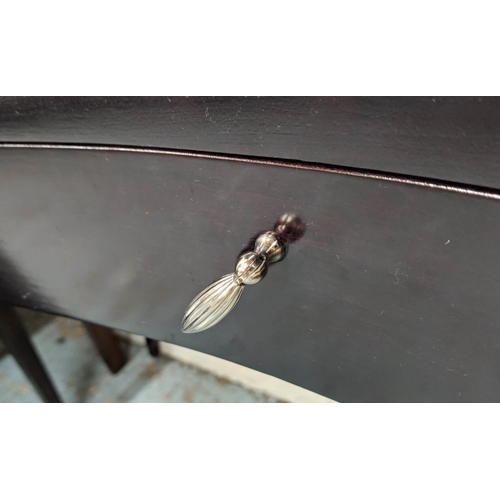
{"x": 391, "y": 295}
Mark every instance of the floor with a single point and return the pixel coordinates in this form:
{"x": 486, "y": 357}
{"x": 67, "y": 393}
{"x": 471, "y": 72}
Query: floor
{"x": 80, "y": 375}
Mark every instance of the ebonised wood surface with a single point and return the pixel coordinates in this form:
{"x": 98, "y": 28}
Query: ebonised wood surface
{"x": 454, "y": 139}
{"x": 391, "y": 295}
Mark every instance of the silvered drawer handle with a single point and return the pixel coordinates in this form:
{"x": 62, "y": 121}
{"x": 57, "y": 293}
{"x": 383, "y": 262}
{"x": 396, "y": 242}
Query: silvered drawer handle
{"x": 218, "y": 299}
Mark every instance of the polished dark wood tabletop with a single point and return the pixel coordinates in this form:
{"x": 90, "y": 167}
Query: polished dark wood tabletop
{"x": 446, "y": 138}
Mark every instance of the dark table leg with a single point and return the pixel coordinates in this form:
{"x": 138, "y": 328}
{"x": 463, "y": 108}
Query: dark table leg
{"x": 108, "y": 345}
{"x": 153, "y": 347}
{"x": 18, "y": 343}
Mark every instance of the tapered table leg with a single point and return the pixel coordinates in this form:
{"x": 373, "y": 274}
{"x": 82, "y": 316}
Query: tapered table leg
{"x": 18, "y": 343}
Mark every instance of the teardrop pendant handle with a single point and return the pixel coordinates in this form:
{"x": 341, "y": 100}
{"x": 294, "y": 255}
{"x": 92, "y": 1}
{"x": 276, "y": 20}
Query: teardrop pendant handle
{"x": 217, "y": 300}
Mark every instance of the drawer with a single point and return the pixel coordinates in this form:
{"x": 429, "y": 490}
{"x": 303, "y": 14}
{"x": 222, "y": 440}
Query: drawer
{"x": 391, "y": 294}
